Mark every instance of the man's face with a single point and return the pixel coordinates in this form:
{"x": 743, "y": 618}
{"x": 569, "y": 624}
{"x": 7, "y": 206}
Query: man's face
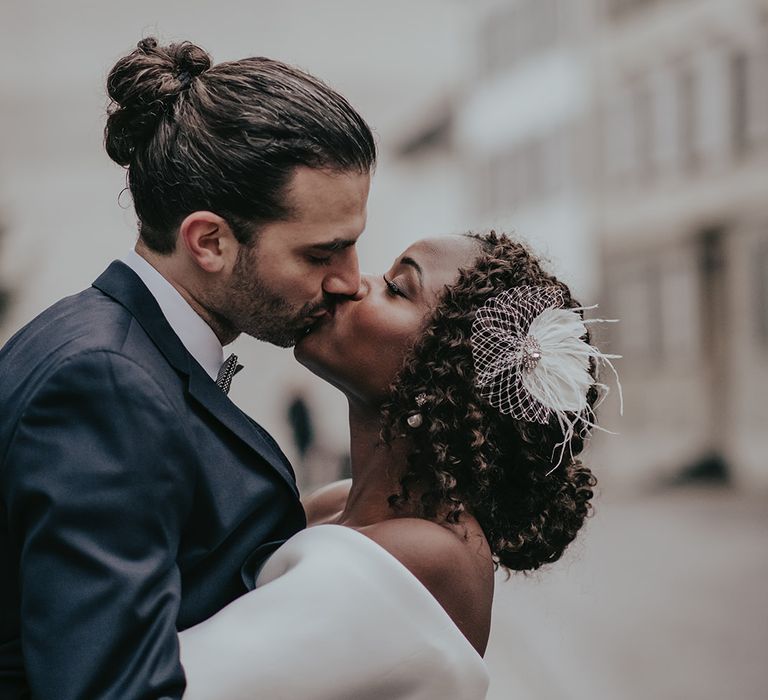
{"x": 298, "y": 269}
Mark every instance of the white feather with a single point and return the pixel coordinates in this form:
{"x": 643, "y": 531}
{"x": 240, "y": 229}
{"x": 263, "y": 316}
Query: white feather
{"x": 561, "y": 379}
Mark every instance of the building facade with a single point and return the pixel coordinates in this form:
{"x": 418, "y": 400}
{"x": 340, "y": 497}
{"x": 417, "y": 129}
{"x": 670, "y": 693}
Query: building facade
{"x": 523, "y": 129}
{"x": 681, "y": 211}
{"x": 628, "y": 140}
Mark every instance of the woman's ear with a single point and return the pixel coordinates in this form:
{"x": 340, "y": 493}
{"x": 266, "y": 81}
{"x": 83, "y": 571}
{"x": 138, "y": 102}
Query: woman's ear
{"x": 209, "y": 241}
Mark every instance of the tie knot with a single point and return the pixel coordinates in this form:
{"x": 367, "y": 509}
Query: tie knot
{"x": 228, "y": 370}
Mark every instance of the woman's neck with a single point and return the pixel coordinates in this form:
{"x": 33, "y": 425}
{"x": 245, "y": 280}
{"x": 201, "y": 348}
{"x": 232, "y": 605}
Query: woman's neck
{"x": 376, "y": 469}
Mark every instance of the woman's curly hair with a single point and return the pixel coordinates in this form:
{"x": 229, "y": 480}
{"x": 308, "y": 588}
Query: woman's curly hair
{"x": 467, "y": 456}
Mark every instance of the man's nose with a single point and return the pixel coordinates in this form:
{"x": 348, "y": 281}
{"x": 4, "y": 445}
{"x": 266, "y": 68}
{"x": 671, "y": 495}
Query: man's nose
{"x": 344, "y": 279}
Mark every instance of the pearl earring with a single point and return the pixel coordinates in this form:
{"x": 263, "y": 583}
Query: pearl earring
{"x": 415, "y": 420}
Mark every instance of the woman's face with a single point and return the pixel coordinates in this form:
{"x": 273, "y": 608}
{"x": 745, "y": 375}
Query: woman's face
{"x": 361, "y": 345}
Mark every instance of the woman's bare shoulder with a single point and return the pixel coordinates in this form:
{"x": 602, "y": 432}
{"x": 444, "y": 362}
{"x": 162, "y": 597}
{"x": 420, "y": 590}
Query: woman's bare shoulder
{"x": 452, "y": 561}
{"x": 327, "y": 502}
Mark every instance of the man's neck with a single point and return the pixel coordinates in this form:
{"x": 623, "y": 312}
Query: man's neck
{"x": 175, "y": 271}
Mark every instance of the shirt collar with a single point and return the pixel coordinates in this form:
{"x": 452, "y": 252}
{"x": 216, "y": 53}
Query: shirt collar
{"x": 195, "y": 334}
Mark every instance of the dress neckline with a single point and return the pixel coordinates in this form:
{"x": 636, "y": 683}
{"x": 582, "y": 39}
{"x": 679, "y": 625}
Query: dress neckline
{"x": 355, "y": 535}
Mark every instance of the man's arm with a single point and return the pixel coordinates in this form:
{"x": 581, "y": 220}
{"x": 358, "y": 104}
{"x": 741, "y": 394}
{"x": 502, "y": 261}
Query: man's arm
{"x": 97, "y": 484}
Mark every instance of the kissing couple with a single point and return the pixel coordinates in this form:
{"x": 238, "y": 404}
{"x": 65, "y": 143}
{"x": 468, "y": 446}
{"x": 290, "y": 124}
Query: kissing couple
{"x": 152, "y": 540}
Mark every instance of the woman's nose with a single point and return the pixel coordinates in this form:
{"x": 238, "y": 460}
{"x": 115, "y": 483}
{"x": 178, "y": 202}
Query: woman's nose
{"x": 367, "y": 283}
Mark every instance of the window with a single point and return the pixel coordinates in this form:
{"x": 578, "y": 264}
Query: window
{"x": 531, "y": 157}
{"x": 482, "y": 181}
{"x": 498, "y": 184}
{"x": 618, "y": 151}
{"x": 761, "y": 277}
{"x": 542, "y": 23}
{"x": 505, "y": 186}
{"x": 526, "y": 173}
{"x": 557, "y": 162}
{"x": 495, "y": 45}
{"x": 665, "y": 154}
{"x": 620, "y": 9}
{"x": 643, "y": 136}
{"x": 636, "y": 301}
{"x": 756, "y": 96}
{"x": 713, "y": 108}
{"x": 739, "y": 112}
{"x": 713, "y": 290}
{"x": 679, "y": 294}
{"x": 687, "y": 118}
{"x": 518, "y": 30}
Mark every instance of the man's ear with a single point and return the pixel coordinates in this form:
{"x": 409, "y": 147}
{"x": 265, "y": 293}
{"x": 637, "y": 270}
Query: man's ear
{"x": 209, "y": 241}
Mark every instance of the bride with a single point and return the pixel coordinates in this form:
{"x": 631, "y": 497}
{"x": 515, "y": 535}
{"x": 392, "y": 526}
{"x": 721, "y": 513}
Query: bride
{"x": 471, "y": 384}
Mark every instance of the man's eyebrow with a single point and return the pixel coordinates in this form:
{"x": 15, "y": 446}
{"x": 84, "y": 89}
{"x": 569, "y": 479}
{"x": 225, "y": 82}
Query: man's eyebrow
{"x": 405, "y": 260}
{"x": 335, "y": 244}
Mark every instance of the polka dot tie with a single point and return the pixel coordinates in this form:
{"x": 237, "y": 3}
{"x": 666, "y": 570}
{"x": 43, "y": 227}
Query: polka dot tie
{"x": 228, "y": 370}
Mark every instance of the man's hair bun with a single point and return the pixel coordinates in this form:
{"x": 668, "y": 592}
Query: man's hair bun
{"x": 224, "y": 138}
{"x": 144, "y": 87}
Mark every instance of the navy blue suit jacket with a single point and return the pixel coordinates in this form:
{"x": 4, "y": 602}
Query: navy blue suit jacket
{"x": 132, "y": 490}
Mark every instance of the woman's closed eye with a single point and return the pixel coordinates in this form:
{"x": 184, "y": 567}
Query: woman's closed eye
{"x": 394, "y": 289}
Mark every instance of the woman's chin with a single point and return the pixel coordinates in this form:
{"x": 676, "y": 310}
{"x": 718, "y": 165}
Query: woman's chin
{"x": 325, "y": 353}
{"x": 302, "y": 351}
{"x": 325, "y": 361}
{"x": 318, "y": 364}
{"x": 316, "y": 339}
{"x": 312, "y": 351}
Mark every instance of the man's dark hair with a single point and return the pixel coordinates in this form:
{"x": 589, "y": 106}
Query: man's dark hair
{"x": 224, "y": 138}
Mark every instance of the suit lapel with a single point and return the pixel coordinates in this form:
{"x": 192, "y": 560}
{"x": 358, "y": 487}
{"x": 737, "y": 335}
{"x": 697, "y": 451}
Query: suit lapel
{"x": 204, "y": 390}
{"x": 123, "y": 285}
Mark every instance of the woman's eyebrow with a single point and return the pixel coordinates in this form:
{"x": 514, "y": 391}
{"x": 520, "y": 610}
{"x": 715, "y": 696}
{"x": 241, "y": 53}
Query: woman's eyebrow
{"x": 405, "y": 260}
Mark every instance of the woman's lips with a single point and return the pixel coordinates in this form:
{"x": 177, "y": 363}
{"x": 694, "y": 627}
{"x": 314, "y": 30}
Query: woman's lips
{"x": 318, "y": 318}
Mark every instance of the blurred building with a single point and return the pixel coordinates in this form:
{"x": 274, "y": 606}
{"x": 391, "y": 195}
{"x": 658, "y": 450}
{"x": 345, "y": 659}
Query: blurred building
{"x": 5, "y": 294}
{"x": 509, "y": 145}
{"x": 628, "y": 140}
{"x": 682, "y": 220}
{"x": 523, "y": 129}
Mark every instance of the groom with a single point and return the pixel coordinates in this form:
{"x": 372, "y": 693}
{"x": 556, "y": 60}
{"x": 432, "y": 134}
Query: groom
{"x": 131, "y": 488}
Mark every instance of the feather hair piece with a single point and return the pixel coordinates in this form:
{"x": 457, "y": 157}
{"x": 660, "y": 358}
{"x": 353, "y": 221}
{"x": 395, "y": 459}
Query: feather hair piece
{"x": 532, "y": 360}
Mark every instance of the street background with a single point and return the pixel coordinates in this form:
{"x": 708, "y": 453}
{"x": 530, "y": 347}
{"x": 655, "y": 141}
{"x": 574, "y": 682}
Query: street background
{"x": 627, "y": 140}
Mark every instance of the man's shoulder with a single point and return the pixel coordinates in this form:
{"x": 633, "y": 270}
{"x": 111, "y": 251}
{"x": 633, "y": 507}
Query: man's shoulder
{"x": 75, "y": 332}
{"x": 87, "y": 321}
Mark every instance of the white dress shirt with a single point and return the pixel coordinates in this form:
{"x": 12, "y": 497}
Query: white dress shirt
{"x": 195, "y": 334}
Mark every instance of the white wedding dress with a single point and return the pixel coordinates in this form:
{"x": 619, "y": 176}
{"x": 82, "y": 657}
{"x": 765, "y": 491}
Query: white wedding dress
{"x": 333, "y": 616}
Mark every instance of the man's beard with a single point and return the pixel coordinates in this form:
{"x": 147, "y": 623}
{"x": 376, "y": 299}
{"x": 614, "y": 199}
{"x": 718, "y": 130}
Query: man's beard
{"x": 256, "y": 310}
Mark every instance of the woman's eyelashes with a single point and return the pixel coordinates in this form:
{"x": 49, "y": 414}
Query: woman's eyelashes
{"x": 394, "y": 289}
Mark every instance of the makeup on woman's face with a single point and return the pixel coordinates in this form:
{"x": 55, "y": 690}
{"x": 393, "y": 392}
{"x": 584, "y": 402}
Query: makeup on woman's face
{"x": 361, "y": 347}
